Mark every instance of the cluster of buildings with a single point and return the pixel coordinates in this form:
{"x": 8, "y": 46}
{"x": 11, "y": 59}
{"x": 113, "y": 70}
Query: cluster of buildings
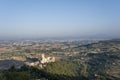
{"x": 39, "y": 62}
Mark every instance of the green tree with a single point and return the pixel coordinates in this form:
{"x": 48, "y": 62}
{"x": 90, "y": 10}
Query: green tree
{"x": 2, "y": 77}
{"x": 83, "y": 71}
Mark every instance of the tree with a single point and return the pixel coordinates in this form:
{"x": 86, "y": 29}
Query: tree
{"x": 83, "y": 71}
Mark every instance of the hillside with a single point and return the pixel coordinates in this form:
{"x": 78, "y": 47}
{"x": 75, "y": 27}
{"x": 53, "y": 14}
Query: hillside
{"x": 99, "y": 60}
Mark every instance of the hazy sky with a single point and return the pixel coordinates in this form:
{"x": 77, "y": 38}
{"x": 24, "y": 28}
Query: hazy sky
{"x": 60, "y": 18}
